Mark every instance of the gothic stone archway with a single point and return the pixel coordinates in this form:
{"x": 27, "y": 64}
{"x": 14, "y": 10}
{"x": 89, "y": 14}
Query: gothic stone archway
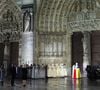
{"x": 10, "y": 28}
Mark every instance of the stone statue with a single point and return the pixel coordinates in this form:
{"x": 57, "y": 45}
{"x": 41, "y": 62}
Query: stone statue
{"x": 27, "y": 19}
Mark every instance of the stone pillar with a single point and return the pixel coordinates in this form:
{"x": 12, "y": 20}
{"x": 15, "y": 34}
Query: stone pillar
{"x": 6, "y": 60}
{"x": 86, "y": 52}
{"x": 19, "y": 56}
{"x": 27, "y": 48}
{"x": 68, "y": 54}
{"x": 36, "y": 48}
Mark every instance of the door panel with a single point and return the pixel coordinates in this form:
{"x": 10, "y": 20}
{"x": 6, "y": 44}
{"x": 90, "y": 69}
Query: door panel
{"x": 77, "y": 49}
{"x": 14, "y": 52}
{"x": 1, "y": 53}
{"x": 95, "y": 47}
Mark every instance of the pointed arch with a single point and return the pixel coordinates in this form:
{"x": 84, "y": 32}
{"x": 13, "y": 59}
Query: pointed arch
{"x": 10, "y": 7}
{"x": 10, "y": 18}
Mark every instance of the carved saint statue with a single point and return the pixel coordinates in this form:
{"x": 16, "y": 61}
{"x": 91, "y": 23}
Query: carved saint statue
{"x": 27, "y": 19}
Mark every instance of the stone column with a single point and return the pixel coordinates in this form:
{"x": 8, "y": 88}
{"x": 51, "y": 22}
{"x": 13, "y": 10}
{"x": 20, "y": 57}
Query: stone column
{"x": 36, "y": 49}
{"x": 6, "y": 60}
{"x": 6, "y": 52}
{"x": 86, "y": 52}
{"x": 68, "y": 54}
{"x": 27, "y": 48}
{"x": 19, "y": 56}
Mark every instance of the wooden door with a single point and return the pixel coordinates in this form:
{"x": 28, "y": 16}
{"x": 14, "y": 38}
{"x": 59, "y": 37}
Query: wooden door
{"x": 14, "y": 52}
{"x": 1, "y": 53}
{"x": 77, "y": 49}
{"x": 95, "y": 47}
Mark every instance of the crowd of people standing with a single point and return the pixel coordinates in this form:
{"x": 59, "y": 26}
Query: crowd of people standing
{"x": 22, "y": 72}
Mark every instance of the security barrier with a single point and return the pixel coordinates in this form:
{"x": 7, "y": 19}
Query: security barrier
{"x": 57, "y": 70}
{"x": 52, "y": 70}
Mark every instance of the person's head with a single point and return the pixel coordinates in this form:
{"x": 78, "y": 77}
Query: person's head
{"x": 24, "y": 66}
{"x": 2, "y": 66}
{"x": 12, "y": 65}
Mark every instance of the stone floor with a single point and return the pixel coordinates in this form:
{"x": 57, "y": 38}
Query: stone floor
{"x": 55, "y": 84}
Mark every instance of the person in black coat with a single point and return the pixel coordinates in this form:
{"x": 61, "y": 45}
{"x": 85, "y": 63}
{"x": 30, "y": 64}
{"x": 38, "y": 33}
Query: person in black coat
{"x": 13, "y": 74}
{"x": 24, "y": 75}
{"x": 2, "y": 74}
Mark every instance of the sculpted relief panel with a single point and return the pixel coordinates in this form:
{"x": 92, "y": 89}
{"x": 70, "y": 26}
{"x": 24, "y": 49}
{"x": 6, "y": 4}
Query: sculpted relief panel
{"x": 86, "y": 17}
{"x": 10, "y": 20}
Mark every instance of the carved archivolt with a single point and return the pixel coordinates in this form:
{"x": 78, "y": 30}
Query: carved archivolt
{"x": 51, "y": 16}
{"x": 85, "y": 16}
{"x": 55, "y": 15}
{"x": 10, "y": 20}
